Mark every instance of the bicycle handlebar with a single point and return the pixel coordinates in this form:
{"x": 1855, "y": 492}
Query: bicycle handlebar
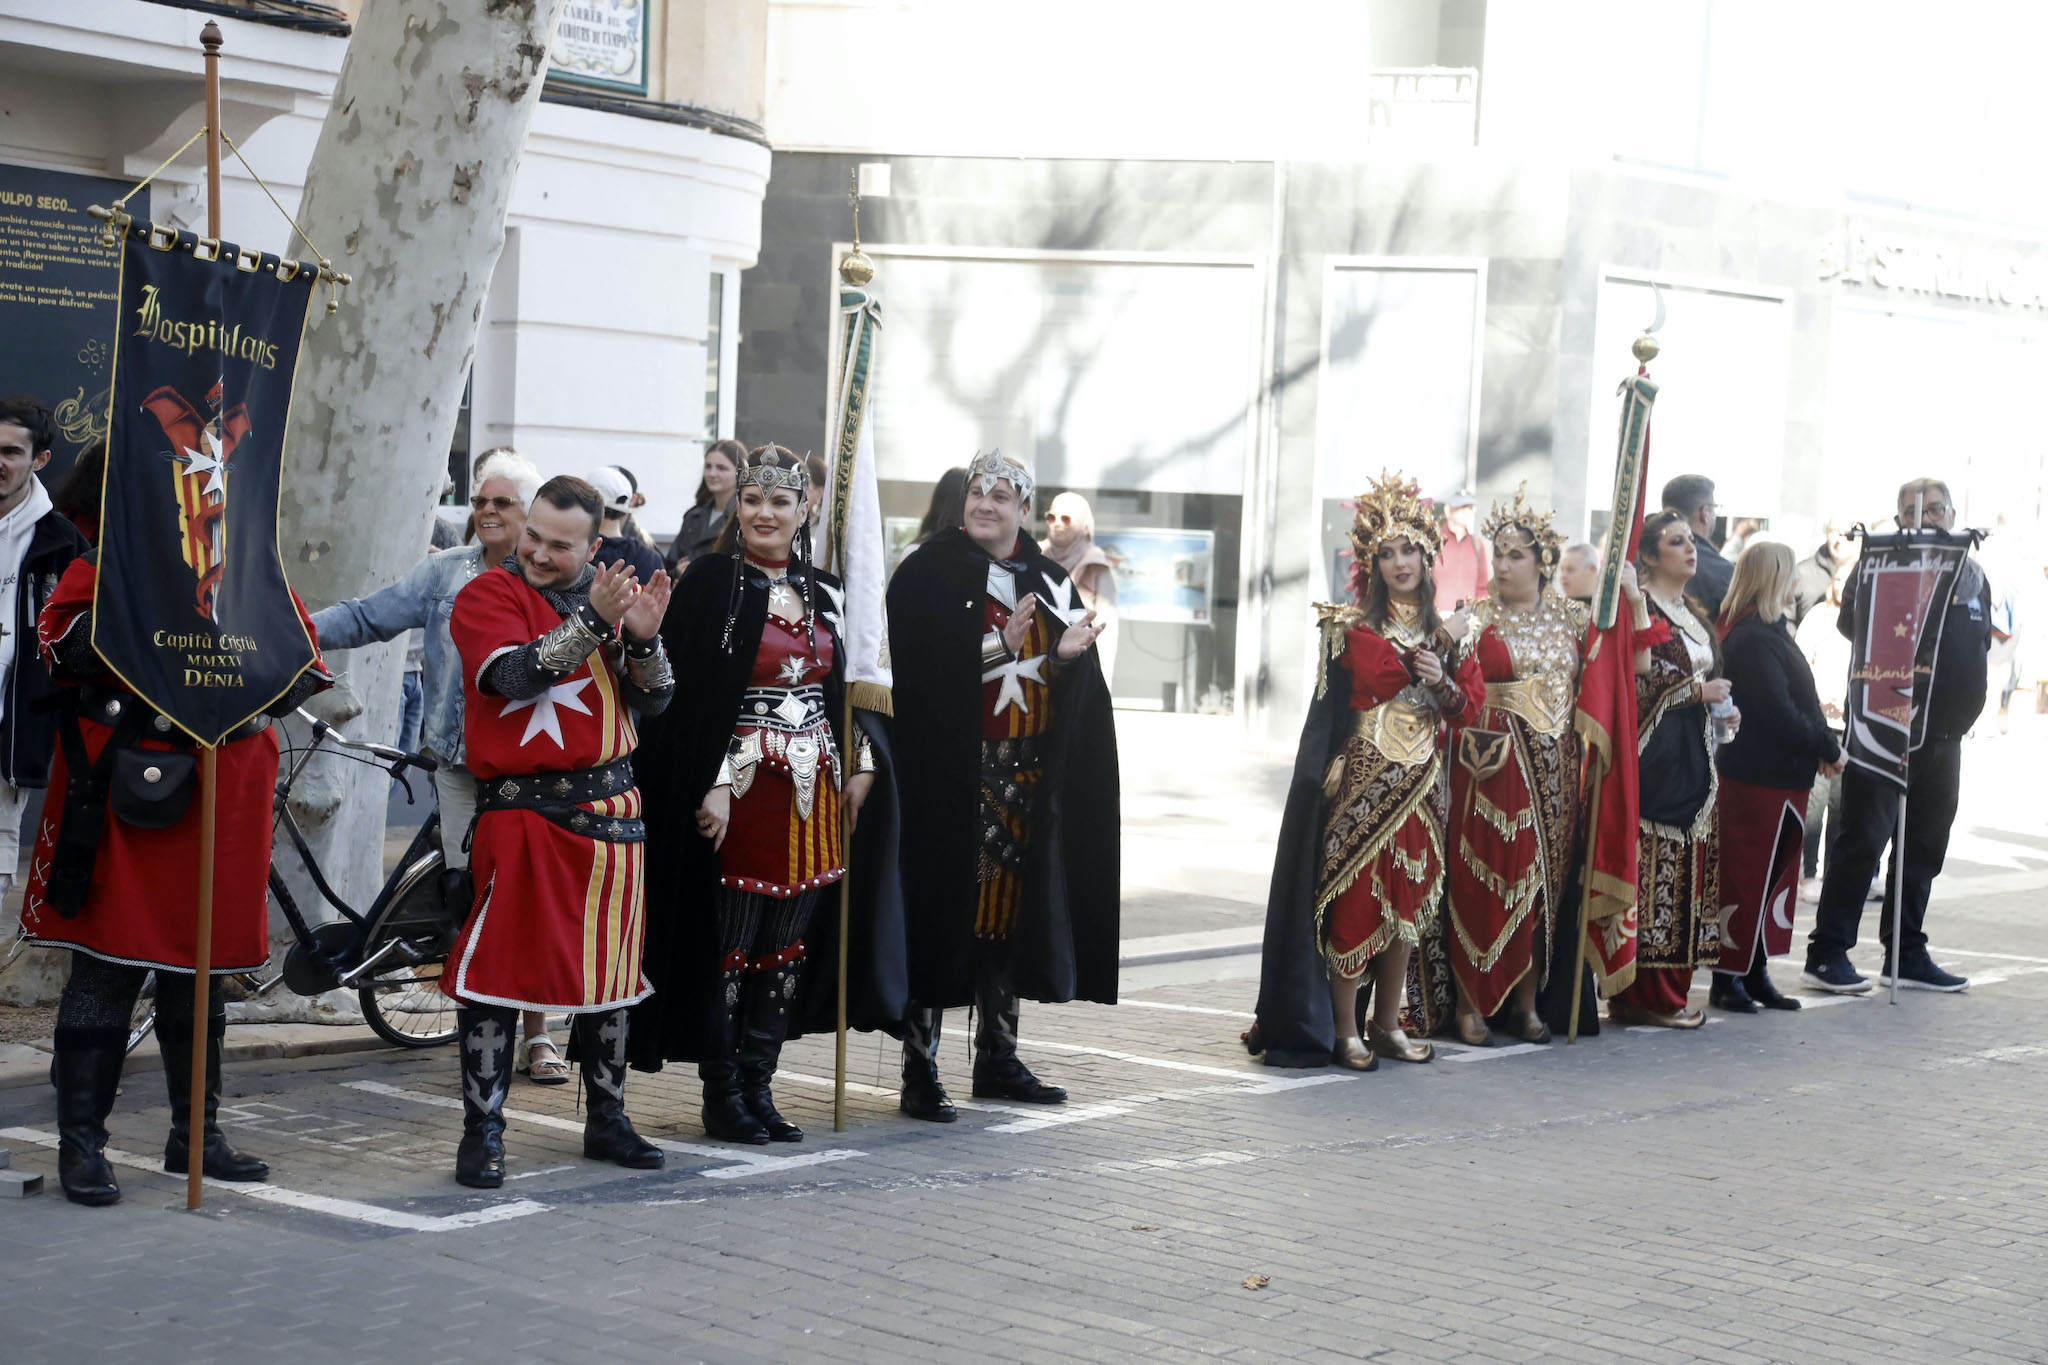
{"x": 398, "y": 758}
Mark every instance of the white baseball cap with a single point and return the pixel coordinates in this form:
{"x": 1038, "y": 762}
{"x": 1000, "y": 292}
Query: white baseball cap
{"x": 612, "y": 486}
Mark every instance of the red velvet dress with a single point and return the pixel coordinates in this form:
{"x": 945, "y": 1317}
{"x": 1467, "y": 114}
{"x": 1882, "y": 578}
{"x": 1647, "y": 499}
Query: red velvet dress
{"x": 1382, "y": 864}
{"x": 784, "y": 831}
{"x": 143, "y": 908}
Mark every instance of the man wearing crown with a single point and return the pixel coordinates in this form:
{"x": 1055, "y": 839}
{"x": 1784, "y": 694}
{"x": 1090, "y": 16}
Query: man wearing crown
{"x": 1358, "y": 875}
{"x": 557, "y": 657}
{"x": 1006, "y": 761}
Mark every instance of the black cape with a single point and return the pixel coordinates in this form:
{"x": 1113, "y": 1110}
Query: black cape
{"x": 675, "y": 764}
{"x": 1295, "y": 1027}
{"x": 1065, "y": 946}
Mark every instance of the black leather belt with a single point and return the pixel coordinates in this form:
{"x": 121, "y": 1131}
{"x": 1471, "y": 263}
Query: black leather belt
{"x": 559, "y": 797}
{"x": 106, "y": 704}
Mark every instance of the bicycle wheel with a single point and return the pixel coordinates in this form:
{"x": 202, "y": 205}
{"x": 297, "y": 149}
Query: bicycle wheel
{"x": 401, "y": 997}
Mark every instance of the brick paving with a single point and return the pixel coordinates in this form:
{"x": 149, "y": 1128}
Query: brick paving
{"x": 1849, "y": 1183}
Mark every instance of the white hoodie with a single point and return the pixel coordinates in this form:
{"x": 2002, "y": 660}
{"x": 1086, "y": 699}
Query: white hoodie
{"x": 16, "y": 530}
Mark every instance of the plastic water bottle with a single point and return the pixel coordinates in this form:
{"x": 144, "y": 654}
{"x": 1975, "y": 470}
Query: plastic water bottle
{"x": 1722, "y": 711}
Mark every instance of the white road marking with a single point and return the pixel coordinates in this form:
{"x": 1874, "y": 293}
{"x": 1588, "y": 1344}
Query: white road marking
{"x": 1458, "y": 1052}
{"x": 2002, "y": 957}
{"x": 1237, "y": 1073}
{"x": 350, "y": 1209}
{"x": 1187, "y": 1009}
{"x": 749, "y": 1163}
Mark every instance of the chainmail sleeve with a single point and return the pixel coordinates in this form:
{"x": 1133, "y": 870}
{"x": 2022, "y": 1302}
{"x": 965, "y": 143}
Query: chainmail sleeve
{"x": 532, "y": 668}
{"x": 309, "y": 685}
{"x": 72, "y": 657}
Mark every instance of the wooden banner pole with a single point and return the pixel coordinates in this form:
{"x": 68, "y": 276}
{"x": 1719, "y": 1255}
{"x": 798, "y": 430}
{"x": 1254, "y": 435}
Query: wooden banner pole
{"x": 845, "y": 930}
{"x": 209, "y": 766}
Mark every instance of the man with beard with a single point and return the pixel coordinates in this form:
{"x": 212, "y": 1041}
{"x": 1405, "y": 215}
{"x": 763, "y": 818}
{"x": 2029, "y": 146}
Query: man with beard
{"x": 557, "y": 656}
{"x": 1006, "y": 761}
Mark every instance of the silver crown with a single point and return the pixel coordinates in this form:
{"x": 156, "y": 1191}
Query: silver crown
{"x": 984, "y": 470}
{"x": 768, "y": 474}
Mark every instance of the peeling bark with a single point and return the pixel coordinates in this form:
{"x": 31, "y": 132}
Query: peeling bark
{"x": 415, "y": 211}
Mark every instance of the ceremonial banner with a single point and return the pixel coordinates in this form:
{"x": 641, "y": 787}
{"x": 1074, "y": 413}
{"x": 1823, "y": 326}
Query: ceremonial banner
{"x": 1901, "y": 589}
{"x": 192, "y": 609}
{"x": 1606, "y": 718}
{"x": 855, "y": 549}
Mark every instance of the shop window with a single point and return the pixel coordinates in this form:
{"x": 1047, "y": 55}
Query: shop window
{"x": 1127, "y": 381}
{"x": 458, "y": 449}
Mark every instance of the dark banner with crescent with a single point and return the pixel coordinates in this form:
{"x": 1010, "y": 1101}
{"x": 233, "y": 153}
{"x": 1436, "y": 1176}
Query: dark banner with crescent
{"x": 1901, "y": 588}
{"x": 192, "y": 609}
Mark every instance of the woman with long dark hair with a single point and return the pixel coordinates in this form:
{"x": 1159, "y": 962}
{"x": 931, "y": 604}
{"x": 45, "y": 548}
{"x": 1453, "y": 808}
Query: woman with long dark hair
{"x": 1767, "y": 774}
{"x": 948, "y": 507}
{"x": 1359, "y": 871}
{"x": 708, "y": 515}
{"x": 751, "y": 789}
{"x": 1678, "y": 870}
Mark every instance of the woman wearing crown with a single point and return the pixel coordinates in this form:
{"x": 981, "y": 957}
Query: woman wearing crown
{"x": 1514, "y": 789}
{"x": 1359, "y": 871}
{"x": 1678, "y": 830}
{"x": 750, "y": 790}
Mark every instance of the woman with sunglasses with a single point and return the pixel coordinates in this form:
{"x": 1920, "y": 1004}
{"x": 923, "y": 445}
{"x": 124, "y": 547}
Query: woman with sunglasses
{"x": 1070, "y": 543}
{"x": 423, "y": 599}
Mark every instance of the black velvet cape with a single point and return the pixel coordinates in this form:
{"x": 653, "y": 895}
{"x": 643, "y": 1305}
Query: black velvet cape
{"x": 1295, "y": 1027}
{"x": 675, "y": 765}
{"x": 1065, "y": 946}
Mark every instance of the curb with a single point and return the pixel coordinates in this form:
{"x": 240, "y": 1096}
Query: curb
{"x": 244, "y": 1043}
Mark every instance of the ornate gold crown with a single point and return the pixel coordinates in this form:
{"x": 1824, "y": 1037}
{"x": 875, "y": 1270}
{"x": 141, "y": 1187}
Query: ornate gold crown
{"x": 1394, "y": 509}
{"x": 1520, "y": 516}
{"x": 759, "y": 467}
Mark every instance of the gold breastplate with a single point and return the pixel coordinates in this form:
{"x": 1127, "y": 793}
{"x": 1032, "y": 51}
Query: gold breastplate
{"x": 1543, "y": 642}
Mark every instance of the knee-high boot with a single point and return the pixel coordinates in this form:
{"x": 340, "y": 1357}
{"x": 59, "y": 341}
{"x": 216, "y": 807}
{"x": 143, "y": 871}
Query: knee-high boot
{"x": 726, "y": 1115}
{"x": 87, "y": 1072}
{"x": 216, "y": 1159}
{"x": 924, "y": 1094}
{"x": 489, "y": 1035}
{"x": 770, "y": 996}
{"x": 607, "y": 1133}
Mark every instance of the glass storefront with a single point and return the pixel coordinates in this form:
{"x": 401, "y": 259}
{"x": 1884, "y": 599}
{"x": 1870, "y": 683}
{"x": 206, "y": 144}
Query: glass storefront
{"x": 1126, "y": 379}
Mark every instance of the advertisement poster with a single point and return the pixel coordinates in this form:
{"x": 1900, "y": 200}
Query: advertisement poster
{"x": 1162, "y": 575}
{"x": 57, "y": 282}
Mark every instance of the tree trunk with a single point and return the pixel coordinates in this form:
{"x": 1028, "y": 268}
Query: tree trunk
{"x": 407, "y": 192}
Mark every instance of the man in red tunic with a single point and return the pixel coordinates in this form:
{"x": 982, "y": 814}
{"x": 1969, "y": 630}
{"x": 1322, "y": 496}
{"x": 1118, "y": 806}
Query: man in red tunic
{"x": 128, "y": 908}
{"x": 557, "y": 656}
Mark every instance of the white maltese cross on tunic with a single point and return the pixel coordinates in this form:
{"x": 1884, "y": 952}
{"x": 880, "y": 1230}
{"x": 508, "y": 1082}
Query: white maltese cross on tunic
{"x": 543, "y": 718}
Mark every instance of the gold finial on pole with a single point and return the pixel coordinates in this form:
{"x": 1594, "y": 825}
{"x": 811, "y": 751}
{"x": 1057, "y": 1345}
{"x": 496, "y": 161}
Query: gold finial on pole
{"x": 855, "y": 268}
{"x": 1645, "y": 349}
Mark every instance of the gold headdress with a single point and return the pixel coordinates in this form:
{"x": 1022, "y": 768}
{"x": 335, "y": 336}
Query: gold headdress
{"x": 1394, "y": 509}
{"x": 1520, "y": 516}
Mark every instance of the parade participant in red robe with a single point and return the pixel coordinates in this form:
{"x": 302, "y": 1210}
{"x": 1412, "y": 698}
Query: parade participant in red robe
{"x": 757, "y": 793}
{"x": 557, "y": 656}
{"x": 1514, "y": 788}
{"x": 1359, "y": 872}
{"x": 138, "y": 913}
{"x": 1678, "y": 826}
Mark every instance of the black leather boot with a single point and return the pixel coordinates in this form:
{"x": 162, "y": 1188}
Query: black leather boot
{"x": 607, "y": 1133}
{"x": 763, "y": 1026}
{"x": 1728, "y": 994}
{"x": 217, "y": 1160}
{"x": 86, "y": 1071}
{"x": 726, "y": 1115}
{"x": 489, "y": 1036}
{"x": 999, "y": 1074}
{"x": 923, "y": 1095}
{"x": 1763, "y": 990}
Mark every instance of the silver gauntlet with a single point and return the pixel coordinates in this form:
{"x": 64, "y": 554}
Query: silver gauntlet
{"x": 565, "y": 647}
{"x": 650, "y": 672}
{"x": 994, "y": 652}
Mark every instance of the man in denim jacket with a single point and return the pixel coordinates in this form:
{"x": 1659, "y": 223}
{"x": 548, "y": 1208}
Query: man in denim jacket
{"x": 424, "y": 599}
